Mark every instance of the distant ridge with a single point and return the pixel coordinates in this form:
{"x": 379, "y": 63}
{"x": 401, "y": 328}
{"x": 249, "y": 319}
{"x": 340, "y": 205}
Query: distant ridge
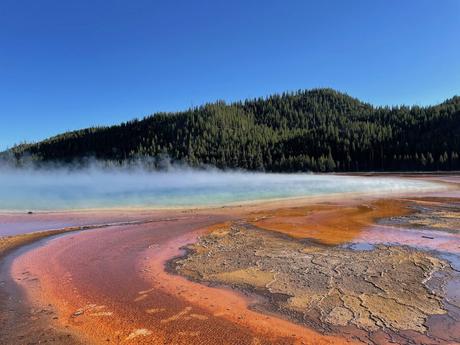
{"x": 313, "y": 130}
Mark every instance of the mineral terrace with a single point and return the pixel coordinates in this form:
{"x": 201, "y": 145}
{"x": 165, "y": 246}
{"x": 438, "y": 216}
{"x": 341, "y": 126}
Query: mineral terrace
{"x": 330, "y": 288}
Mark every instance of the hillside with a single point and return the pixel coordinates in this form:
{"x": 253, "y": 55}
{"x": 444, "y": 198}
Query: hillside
{"x": 316, "y": 130}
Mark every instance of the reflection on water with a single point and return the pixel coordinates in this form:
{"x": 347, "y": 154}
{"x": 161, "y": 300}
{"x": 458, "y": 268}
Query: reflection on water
{"x": 432, "y": 228}
{"x": 418, "y": 238}
{"x": 454, "y": 260}
{"x": 360, "y": 246}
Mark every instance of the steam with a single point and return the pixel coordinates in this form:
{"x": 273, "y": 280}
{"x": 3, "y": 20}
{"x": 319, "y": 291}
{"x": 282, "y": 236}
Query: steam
{"x": 99, "y": 185}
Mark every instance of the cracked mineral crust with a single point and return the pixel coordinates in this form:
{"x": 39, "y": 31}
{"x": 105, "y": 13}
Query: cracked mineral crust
{"x": 323, "y": 286}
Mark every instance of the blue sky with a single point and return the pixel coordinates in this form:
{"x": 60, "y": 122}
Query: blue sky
{"x": 72, "y": 64}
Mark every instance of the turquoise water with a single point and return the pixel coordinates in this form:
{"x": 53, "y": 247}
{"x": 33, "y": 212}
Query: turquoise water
{"x": 101, "y": 188}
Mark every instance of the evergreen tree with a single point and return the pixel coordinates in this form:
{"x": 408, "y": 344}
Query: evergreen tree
{"x": 316, "y": 130}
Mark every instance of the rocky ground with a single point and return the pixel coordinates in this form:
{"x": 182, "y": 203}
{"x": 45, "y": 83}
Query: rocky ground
{"x": 433, "y": 213}
{"x": 363, "y": 270}
{"x": 390, "y": 290}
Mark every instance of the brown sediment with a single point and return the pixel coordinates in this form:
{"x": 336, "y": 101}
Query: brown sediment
{"x": 19, "y": 322}
{"x": 22, "y": 322}
{"x": 328, "y": 223}
{"x": 8, "y": 244}
{"x": 321, "y": 286}
{"x": 227, "y": 304}
{"x": 101, "y": 299}
{"x": 110, "y": 285}
{"x": 433, "y": 225}
{"x": 105, "y": 300}
{"x": 438, "y": 213}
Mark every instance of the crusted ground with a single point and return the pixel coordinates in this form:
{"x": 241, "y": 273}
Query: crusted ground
{"x": 326, "y": 287}
{"x": 431, "y": 213}
{"x": 328, "y": 223}
{"x": 9, "y": 243}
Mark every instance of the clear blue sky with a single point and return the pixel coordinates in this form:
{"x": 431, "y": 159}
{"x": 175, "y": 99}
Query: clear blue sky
{"x": 72, "y": 64}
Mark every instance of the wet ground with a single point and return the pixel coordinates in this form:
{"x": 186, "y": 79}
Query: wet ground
{"x": 385, "y": 271}
{"x": 363, "y": 292}
{"x": 21, "y": 322}
{"x": 335, "y": 271}
{"x": 16, "y": 223}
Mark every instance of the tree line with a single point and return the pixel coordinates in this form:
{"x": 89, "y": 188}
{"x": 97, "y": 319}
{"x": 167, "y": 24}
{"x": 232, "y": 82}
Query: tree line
{"x": 318, "y": 130}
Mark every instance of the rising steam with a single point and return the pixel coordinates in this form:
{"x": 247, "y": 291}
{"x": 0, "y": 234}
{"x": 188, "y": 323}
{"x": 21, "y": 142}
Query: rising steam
{"x": 98, "y": 185}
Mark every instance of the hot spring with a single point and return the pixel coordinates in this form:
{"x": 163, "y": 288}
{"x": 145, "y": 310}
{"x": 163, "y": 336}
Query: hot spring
{"x": 61, "y": 188}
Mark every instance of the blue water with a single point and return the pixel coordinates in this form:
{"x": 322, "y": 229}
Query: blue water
{"x": 358, "y": 246}
{"x": 101, "y": 188}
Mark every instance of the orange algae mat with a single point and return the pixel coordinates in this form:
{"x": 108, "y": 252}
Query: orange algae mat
{"x": 112, "y": 286}
{"x": 128, "y": 297}
{"x": 328, "y": 223}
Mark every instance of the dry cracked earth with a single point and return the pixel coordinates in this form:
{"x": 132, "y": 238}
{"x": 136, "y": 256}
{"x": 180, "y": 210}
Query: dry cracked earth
{"x": 378, "y": 294}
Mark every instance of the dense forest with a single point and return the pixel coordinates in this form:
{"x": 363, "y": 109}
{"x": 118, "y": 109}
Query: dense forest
{"x": 318, "y": 130}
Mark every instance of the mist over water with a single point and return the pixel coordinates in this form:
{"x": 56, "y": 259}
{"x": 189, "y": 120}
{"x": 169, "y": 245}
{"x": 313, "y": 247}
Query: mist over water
{"x": 95, "y": 187}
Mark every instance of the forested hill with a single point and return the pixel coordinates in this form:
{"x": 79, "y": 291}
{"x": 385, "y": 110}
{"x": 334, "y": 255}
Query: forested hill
{"x": 316, "y": 130}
